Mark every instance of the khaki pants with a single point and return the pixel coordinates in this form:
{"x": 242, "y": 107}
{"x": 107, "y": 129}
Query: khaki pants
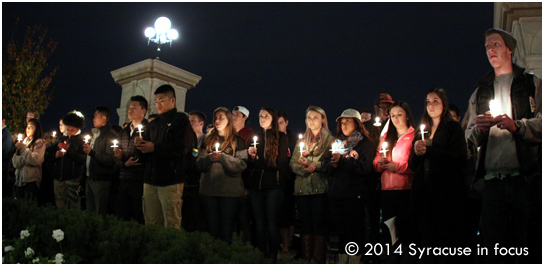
{"x": 162, "y": 205}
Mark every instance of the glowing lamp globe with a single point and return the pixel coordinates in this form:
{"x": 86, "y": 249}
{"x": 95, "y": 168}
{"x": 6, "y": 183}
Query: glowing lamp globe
{"x": 149, "y": 32}
{"x": 172, "y": 34}
{"x": 162, "y": 25}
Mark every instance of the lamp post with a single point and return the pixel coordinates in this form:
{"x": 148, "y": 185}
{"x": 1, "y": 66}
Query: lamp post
{"x": 162, "y": 33}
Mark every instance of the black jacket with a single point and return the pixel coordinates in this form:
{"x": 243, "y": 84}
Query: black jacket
{"x": 174, "y": 140}
{"x": 439, "y": 174}
{"x": 126, "y": 144}
{"x": 349, "y": 178}
{"x": 102, "y": 166}
{"x": 72, "y": 164}
{"x": 262, "y": 176}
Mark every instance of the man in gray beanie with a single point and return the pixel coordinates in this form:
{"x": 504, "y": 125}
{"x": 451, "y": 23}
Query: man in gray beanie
{"x": 509, "y": 161}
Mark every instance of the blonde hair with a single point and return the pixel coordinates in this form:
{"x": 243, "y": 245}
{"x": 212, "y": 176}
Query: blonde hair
{"x": 318, "y": 147}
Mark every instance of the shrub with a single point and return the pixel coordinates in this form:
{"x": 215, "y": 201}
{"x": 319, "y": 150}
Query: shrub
{"x": 91, "y": 238}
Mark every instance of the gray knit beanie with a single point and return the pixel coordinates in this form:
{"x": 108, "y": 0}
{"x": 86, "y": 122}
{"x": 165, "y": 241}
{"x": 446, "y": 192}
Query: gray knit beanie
{"x": 509, "y": 40}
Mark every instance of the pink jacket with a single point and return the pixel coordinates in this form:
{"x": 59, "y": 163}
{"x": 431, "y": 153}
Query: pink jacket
{"x": 402, "y": 179}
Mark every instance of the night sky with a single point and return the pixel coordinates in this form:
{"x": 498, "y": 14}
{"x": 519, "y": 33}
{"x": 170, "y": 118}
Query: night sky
{"x": 282, "y": 55}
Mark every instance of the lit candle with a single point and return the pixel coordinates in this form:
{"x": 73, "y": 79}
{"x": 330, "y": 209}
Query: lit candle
{"x": 63, "y": 150}
{"x": 422, "y": 128}
{"x": 255, "y": 142}
{"x": 301, "y": 147}
{"x": 19, "y": 137}
{"x": 334, "y": 147}
{"x": 140, "y": 129}
{"x": 384, "y": 151}
{"x": 114, "y": 144}
{"x": 217, "y": 147}
{"x": 299, "y": 136}
{"x": 54, "y": 133}
{"x": 377, "y": 124}
{"x": 494, "y": 108}
{"x": 87, "y": 138}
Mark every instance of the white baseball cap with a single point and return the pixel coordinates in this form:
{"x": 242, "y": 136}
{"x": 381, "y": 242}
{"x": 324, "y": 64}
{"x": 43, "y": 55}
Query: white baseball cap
{"x": 242, "y": 110}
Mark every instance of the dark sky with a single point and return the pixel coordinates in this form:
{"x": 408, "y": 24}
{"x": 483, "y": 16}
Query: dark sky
{"x": 282, "y": 55}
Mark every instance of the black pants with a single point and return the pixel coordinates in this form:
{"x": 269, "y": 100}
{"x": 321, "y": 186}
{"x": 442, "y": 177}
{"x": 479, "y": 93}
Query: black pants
{"x": 348, "y": 217}
{"x": 130, "y": 201}
{"x": 312, "y": 210}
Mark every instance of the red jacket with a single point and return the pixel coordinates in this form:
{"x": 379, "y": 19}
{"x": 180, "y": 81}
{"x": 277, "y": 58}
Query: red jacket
{"x": 402, "y": 179}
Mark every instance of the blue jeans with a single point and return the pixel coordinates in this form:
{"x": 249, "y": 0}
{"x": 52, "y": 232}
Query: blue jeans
{"x": 221, "y": 213}
{"x": 266, "y": 206}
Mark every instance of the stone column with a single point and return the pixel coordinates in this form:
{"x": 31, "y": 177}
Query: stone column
{"x": 524, "y": 21}
{"x": 144, "y": 77}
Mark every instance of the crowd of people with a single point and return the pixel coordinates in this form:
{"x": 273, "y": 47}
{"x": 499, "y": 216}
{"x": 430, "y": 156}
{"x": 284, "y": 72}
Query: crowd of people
{"x": 382, "y": 178}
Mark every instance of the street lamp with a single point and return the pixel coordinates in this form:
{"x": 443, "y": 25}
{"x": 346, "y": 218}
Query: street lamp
{"x": 162, "y": 33}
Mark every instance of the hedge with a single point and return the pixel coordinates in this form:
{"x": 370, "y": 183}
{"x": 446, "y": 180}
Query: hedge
{"x": 91, "y": 238}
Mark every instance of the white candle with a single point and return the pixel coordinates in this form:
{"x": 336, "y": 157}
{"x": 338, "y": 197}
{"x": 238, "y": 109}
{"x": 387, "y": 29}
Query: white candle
{"x": 377, "y": 124}
{"x": 494, "y": 108}
{"x": 255, "y": 142}
{"x": 334, "y": 147}
{"x": 217, "y": 147}
{"x": 422, "y": 128}
{"x": 19, "y": 137}
{"x": 87, "y": 138}
{"x": 140, "y": 129}
{"x": 54, "y": 133}
{"x": 114, "y": 144}
{"x": 301, "y": 147}
{"x": 384, "y": 151}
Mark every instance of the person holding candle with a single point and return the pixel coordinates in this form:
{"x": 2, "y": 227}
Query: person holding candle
{"x": 395, "y": 175}
{"x": 438, "y": 191}
{"x": 510, "y": 151}
{"x": 100, "y": 163}
{"x": 221, "y": 185}
{"x": 68, "y": 165}
{"x": 269, "y": 169}
{"x": 311, "y": 184}
{"x": 349, "y": 168}
{"x": 27, "y": 161}
{"x": 167, "y": 145}
{"x": 131, "y": 175}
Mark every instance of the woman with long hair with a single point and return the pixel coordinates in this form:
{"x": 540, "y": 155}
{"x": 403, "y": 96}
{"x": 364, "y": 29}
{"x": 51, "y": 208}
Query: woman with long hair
{"x": 350, "y": 166}
{"x": 311, "y": 183}
{"x": 268, "y": 170}
{"x": 221, "y": 160}
{"x": 438, "y": 189}
{"x": 27, "y": 161}
{"x": 396, "y": 176}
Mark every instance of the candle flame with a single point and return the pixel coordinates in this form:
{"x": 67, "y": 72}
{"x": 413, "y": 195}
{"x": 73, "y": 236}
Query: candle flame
{"x": 299, "y": 136}
{"x": 384, "y": 145}
{"x": 422, "y": 127}
{"x": 20, "y": 137}
{"x": 54, "y": 133}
